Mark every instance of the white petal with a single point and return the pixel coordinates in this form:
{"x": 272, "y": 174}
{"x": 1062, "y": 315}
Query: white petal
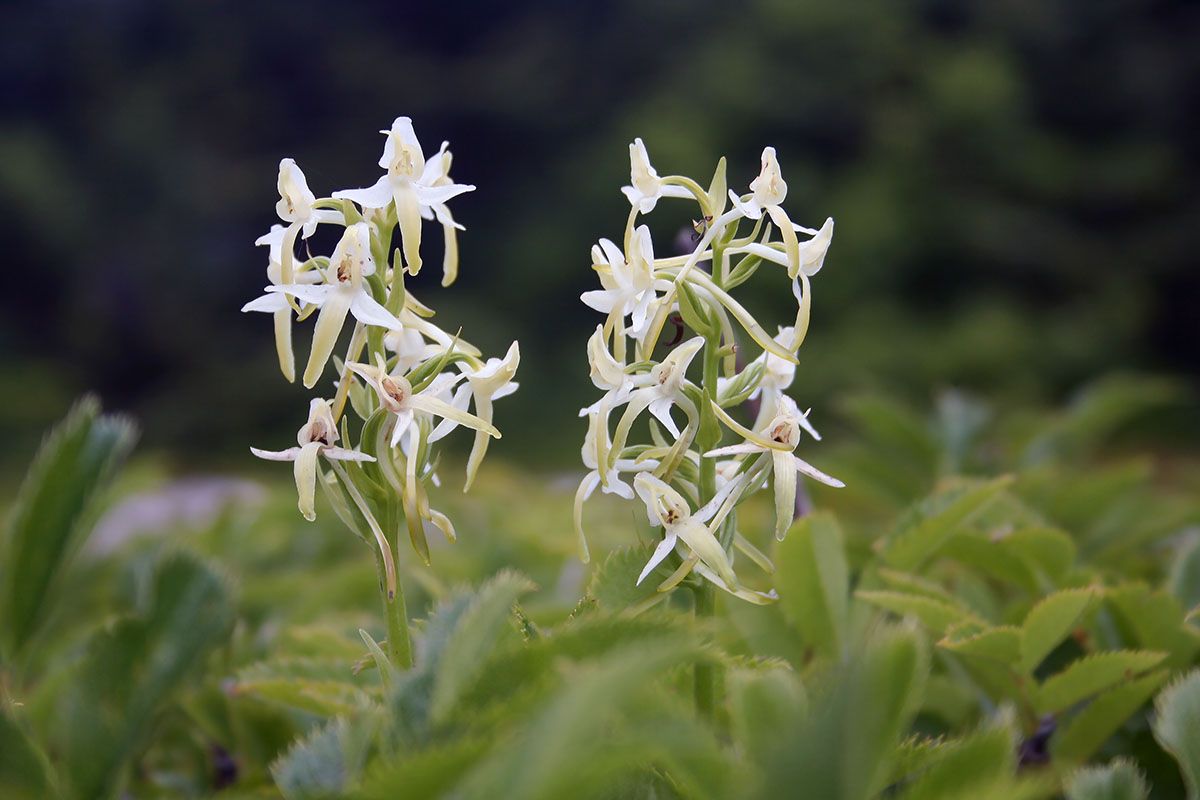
{"x": 305, "y": 292}
{"x": 429, "y": 195}
{"x": 342, "y": 454}
{"x": 280, "y": 455}
{"x": 369, "y": 312}
{"x": 816, "y": 474}
{"x": 267, "y": 302}
{"x": 376, "y": 196}
{"x": 662, "y": 551}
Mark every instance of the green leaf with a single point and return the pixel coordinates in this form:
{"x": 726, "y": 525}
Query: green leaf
{"x": 1091, "y": 675}
{"x": 614, "y": 585}
{"x": 1153, "y": 621}
{"x": 929, "y": 524}
{"x": 937, "y": 615}
{"x": 1092, "y": 726}
{"x": 1177, "y": 727}
{"x": 1049, "y": 550}
{"x": 1119, "y": 780}
{"x": 324, "y": 763}
{"x": 908, "y": 583}
{"x": 326, "y": 698}
{"x": 1185, "y": 574}
{"x": 387, "y": 672}
{"x": 473, "y": 637}
{"x": 25, "y": 772}
{"x": 968, "y": 763}
{"x": 73, "y": 466}
{"x": 1051, "y": 621}
{"x": 130, "y": 669}
{"x": 813, "y": 582}
{"x": 763, "y": 702}
{"x": 895, "y": 429}
{"x": 1001, "y": 644}
{"x": 429, "y": 773}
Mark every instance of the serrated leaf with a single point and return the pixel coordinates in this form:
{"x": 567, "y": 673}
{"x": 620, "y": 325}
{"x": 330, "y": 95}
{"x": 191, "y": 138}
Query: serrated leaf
{"x": 1092, "y": 726}
{"x": 936, "y": 615}
{"x": 387, "y": 673}
{"x": 323, "y": 698}
{"x": 929, "y": 524}
{"x": 1177, "y": 727}
{"x": 473, "y": 637}
{"x": 990, "y": 558}
{"x": 614, "y": 585}
{"x": 966, "y": 764}
{"x": 1051, "y": 621}
{"x": 130, "y": 669}
{"x": 762, "y": 702}
{"x": 1154, "y": 621}
{"x": 813, "y": 582}
{"x": 1119, "y": 780}
{"x": 1001, "y": 644}
{"x": 909, "y": 583}
{"x": 1090, "y": 675}
{"x": 1049, "y": 550}
{"x": 25, "y": 772}
{"x": 74, "y": 464}
{"x": 429, "y": 773}
{"x": 324, "y": 763}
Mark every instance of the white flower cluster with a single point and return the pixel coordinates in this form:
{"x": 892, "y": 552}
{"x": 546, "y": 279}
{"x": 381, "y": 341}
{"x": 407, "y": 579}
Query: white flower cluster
{"x": 410, "y": 382}
{"x": 689, "y": 483}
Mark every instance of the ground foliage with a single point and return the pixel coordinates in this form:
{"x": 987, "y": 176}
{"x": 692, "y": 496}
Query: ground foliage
{"x": 998, "y": 605}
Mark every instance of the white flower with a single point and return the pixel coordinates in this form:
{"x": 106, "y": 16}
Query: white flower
{"x": 315, "y": 438}
{"x": 412, "y": 183}
{"x": 647, "y": 187}
{"x": 779, "y": 438}
{"x": 811, "y": 253}
{"x": 668, "y": 508}
{"x": 659, "y": 390}
{"x": 629, "y": 283}
{"x": 296, "y": 200}
{"x": 490, "y": 382}
{"x": 450, "y": 228}
{"x": 344, "y": 292}
{"x": 768, "y": 192}
{"x": 397, "y": 396}
{"x": 777, "y": 376}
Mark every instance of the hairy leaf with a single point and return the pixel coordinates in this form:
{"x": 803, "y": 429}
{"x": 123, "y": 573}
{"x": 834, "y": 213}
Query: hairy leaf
{"x": 1119, "y": 780}
{"x": 1001, "y": 644}
{"x": 1177, "y": 727}
{"x": 1091, "y": 675}
{"x": 813, "y": 582}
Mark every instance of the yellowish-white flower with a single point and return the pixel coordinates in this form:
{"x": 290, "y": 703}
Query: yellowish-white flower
{"x": 629, "y": 284}
{"x": 277, "y": 304}
{"x": 316, "y": 437}
{"x": 397, "y": 396}
{"x": 296, "y": 200}
{"x": 647, "y": 187}
{"x": 659, "y": 390}
{"x": 779, "y": 438}
{"x": 439, "y": 211}
{"x": 490, "y": 382}
{"x": 668, "y": 508}
{"x": 767, "y": 193}
{"x": 412, "y": 183}
{"x": 811, "y": 253}
{"x": 343, "y": 292}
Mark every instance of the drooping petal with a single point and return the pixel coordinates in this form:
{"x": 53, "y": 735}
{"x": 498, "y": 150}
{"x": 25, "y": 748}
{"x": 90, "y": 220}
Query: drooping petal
{"x": 791, "y": 245}
{"x": 283, "y": 340}
{"x": 785, "y": 491}
{"x": 342, "y": 454}
{"x": 304, "y": 292}
{"x": 450, "y": 256}
{"x": 447, "y": 411}
{"x": 808, "y": 469}
{"x": 325, "y": 335}
{"x": 408, "y": 213}
{"x": 742, "y": 593}
{"x": 661, "y": 552}
{"x": 432, "y": 195}
{"x": 277, "y": 455}
{"x": 661, "y": 409}
{"x": 586, "y": 487}
{"x": 369, "y": 312}
{"x": 306, "y": 479}
{"x": 270, "y": 302}
{"x": 702, "y": 542}
{"x": 404, "y": 418}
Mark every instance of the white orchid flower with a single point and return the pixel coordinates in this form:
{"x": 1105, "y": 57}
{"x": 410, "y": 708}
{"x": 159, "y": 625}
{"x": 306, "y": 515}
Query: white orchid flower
{"x": 490, "y": 382}
{"x": 777, "y": 376}
{"x": 410, "y": 348}
{"x": 397, "y": 396}
{"x": 439, "y": 211}
{"x": 811, "y": 253}
{"x": 658, "y": 391}
{"x": 767, "y": 193}
{"x": 668, "y": 508}
{"x": 647, "y": 187}
{"x": 595, "y": 453}
{"x": 295, "y": 206}
{"x": 412, "y": 183}
{"x": 277, "y": 304}
{"x": 343, "y": 292}
{"x": 315, "y": 438}
{"x": 629, "y": 284}
{"x": 779, "y": 438}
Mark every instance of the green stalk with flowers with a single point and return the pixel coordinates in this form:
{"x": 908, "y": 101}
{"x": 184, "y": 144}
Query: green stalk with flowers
{"x": 408, "y": 382}
{"x": 689, "y": 483}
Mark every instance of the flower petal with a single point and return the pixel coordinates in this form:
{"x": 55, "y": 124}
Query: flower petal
{"x": 325, "y": 334}
{"x": 305, "y": 471}
{"x": 369, "y": 312}
{"x": 661, "y": 552}
{"x": 377, "y": 195}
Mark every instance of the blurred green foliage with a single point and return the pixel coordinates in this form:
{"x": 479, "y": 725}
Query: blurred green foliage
{"x": 1014, "y": 185}
{"x": 958, "y": 622}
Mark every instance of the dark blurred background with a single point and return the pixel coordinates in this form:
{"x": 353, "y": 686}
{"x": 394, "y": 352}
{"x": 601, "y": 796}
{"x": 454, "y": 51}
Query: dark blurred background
{"x": 1014, "y": 185}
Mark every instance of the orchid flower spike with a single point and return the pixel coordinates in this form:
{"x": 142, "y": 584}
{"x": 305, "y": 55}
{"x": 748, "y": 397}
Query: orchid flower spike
{"x": 316, "y": 437}
{"x": 629, "y": 284}
{"x": 768, "y": 192}
{"x": 397, "y": 396}
{"x": 647, "y": 187}
{"x": 413, "y": 183}
{"x": 668, "y": 508}
{"x": 343, "y": 292}
{"x": 277, "y": 304}
{"x": 779, "y": 438}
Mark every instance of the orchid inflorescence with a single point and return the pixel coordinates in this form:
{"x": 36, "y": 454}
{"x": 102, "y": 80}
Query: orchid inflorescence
{"x": 410, "y": 382}
{"x": 691, "y": 485}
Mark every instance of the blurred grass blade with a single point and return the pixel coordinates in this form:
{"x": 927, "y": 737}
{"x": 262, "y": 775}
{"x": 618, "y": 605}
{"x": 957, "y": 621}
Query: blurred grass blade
{"x": 25, "y": 772}
{"x": 75, "y": 463}
{"x": 131, "y": 668}
{"x": 1177, "y": 727}
{"x": 1119, "y": 780}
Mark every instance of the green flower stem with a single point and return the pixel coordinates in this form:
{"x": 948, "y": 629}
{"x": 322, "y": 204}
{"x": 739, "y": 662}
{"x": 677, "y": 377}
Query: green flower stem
{"x": 399, "y": 643}
{"x": 707, "y": 439}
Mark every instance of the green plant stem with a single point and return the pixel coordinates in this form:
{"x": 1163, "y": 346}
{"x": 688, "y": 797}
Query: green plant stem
{"x": 708, "y": 438}
{"x": 399, "y": 645}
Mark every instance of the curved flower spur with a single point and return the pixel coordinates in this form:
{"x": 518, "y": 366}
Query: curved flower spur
{"x": 408, "y": 382}
{"x": 688, "y": 489}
